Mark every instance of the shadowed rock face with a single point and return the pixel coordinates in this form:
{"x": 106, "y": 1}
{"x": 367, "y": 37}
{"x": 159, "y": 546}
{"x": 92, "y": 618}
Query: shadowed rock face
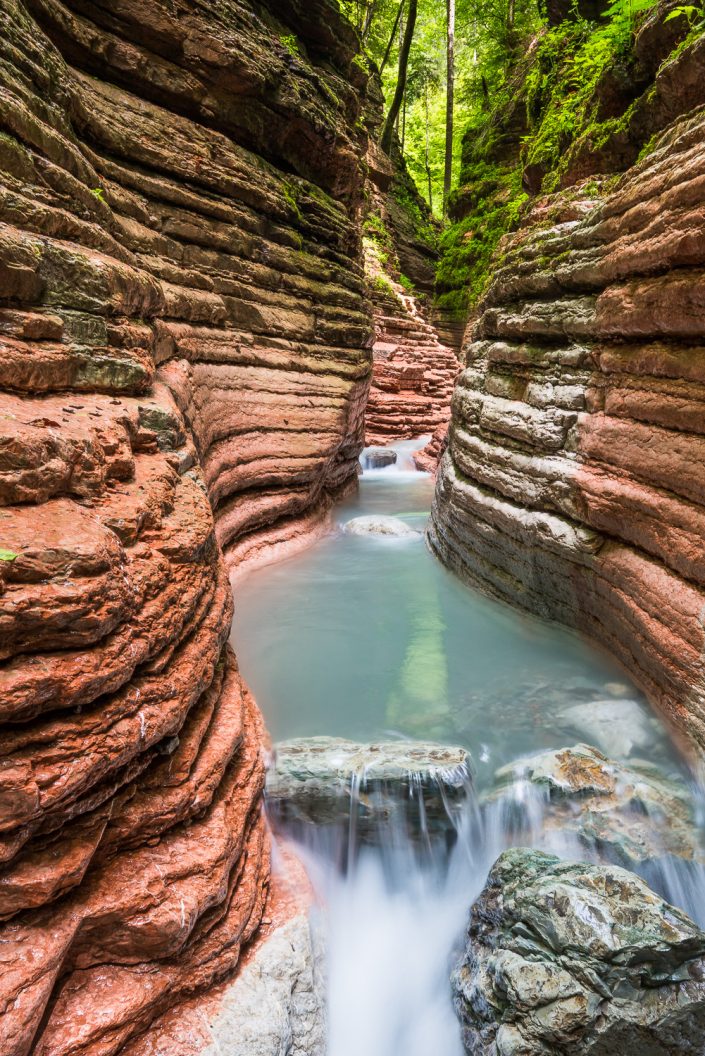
{"x": 578, "y": 959}
{"x": 182, "y": 331}
{"x": 573, "y": 483}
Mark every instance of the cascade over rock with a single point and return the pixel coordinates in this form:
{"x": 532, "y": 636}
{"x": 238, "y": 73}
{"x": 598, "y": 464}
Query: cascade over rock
{"x": 183, "y": 333}
{"x": 329, "y": 781}
{"x": 623, "y": 814}
{"x": 573, "y": 480}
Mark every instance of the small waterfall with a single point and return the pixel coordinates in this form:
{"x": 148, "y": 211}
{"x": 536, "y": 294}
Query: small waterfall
{"x": 395, "y": 897}
{"x": 404, "y": 465}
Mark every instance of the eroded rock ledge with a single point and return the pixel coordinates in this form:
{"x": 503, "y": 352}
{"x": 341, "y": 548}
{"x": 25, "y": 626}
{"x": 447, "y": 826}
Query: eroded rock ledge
{"x": 183, "y": 330}
{"x": 573, "y": 484}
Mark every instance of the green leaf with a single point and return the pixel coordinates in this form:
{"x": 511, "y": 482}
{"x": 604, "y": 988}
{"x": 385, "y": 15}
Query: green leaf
{"x": 8, "y": 555}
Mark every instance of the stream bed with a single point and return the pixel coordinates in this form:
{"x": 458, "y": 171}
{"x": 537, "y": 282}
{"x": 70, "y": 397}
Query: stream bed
{"x": 369, "y": 638}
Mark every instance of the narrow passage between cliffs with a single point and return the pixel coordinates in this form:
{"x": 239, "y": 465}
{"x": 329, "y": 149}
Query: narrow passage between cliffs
{"x": 421, "y": 730}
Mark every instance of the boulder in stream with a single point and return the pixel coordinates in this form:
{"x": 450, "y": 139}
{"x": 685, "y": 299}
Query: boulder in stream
{"x": 622, "y": 727}
{"x": 328, "y": 780}
{"x": 629, "y": 815}
{"x": 581, "y": 960}
{"x": 380, "y": 525}
{"x": 379, "y": 457}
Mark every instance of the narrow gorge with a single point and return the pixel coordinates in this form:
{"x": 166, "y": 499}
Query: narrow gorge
{"x": 352, "y": 589}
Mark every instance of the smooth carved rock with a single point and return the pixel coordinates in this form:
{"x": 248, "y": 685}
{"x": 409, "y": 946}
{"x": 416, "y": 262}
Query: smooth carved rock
{"x": 378, "y": 525}
{"x": 327, "y": 780}
{"x": 573, "y": 483}
{"x": 578, "y": 959}
{"x": 183, "y": 330}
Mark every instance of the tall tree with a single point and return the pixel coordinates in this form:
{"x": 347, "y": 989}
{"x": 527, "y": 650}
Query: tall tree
{"x": 450, "y": 93}
{"x": 386, "y": 141}
{"x": 367, "y": 24}
{"x": 427, "y": 158}
{"x": 391, "y": 38}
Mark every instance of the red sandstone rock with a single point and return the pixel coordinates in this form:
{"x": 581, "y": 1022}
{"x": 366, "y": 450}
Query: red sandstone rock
{"x": 183, "y": 330}
{"x": 574, "y": 480}
{"x": 413, "y": 373}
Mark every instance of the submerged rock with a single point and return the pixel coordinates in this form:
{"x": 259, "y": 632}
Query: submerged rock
{"x": 328, "y": 780}
{"x": 582, "y": 960}
{"x": 379, "y": 457}
{"x": 392, "y": 527}
{"x": 617, "y": 726}
{"x": 625, "y": 814}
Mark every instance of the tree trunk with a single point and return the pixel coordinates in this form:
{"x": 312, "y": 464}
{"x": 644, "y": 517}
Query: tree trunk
{"x": 386, "y": 141}
{"x": 428, "y": 166}
{"x": 448, "y": 175}
{"x": 368, "y": 20}
{"x": 392, "y": 35}
{"x": 401, "y": 45}
{"x": 403, "y": 125}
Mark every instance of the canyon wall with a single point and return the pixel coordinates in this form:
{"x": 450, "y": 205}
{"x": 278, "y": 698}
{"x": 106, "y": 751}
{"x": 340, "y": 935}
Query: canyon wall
{"x": 574, "y": 482}
{"x": 413, "y": 370}
{"x": 183, "y": 333}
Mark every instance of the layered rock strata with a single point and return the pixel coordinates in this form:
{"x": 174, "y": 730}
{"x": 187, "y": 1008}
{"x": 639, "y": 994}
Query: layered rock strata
{"x": 573, "y": 481}
{"x": 413, "y": 375}
{"x": 182, "y": 330}
{"x": 413, "y": 371}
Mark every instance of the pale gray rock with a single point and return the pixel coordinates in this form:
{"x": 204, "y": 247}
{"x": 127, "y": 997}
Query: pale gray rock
{"x": 276, "y": 1004}
{"x": 628, "y": 815}
{"x": 379, "y": 525}
{"x": 317, "y": 780}
{"x": 379, "y": 457}
{"x": 568, "y": 959}
{"x": 620, "y": 727}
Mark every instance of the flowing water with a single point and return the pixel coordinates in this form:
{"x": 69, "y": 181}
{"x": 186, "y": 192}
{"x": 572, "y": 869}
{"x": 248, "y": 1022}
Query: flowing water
{"x": 370, "y": 638}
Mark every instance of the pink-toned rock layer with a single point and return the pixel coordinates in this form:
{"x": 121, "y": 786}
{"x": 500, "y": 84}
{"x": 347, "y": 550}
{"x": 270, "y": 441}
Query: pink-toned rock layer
{"x": 183, "y": 331}
{"x": 413, "y": 373}
{"x": 574, "y": 482}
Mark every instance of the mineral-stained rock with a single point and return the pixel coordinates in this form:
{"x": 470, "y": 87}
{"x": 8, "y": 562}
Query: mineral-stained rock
{"x": 278, "y": 1002}
{"x": 427, "y": 458}
{"x": 629, "y": 815}
{"x": 321, "y": 780}
{"x": 378, "y": 525}
{"x": 183, "y": 330}
{"x": 573, "y": 481}
{"x": 578, "y": 959}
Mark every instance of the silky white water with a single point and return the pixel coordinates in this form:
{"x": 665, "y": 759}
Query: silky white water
{"x": 371, "y": 638}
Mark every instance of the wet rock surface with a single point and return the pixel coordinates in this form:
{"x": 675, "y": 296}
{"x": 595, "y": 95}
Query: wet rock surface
{"x": 381, "y": 526}
{"x": 379, "y": 457}
{"x": 329, "y": 780}
{"x": 578, "y": 959}
{"x": 626, "y": 814}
